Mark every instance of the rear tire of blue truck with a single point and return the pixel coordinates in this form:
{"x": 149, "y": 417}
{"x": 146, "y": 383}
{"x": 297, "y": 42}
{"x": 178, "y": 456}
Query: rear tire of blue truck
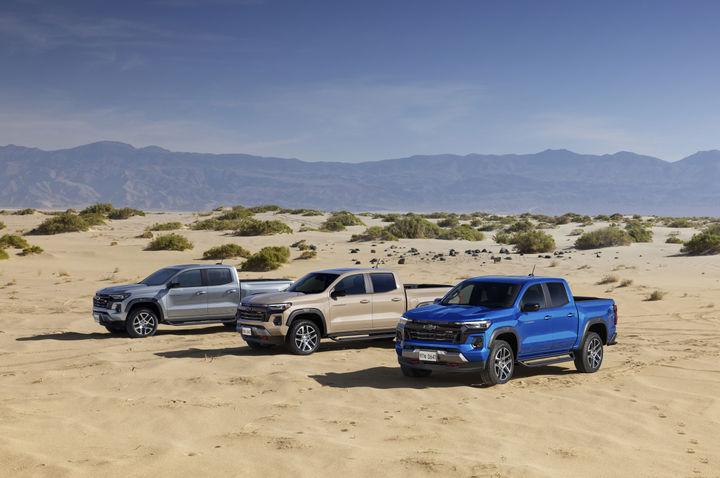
{"x": 500, "y": 365}
{"x": 414, "y": 372}
{"x": 590, "y": 355}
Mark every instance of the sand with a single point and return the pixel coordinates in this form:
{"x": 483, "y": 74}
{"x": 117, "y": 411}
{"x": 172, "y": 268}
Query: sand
{"x": 195, "y": 401}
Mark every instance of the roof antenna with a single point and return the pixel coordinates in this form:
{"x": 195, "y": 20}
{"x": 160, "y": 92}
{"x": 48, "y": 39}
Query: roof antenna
{"x": 377, "y": 263}
{"x": 532, "y": 274}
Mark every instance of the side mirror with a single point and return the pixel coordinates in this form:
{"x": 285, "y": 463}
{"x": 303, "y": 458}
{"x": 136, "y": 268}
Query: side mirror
{"x": 531, "y": 307}
{"x": 338, "y": 293}
{"x": 437, "y": 300}
{"x": 173, "y": 285}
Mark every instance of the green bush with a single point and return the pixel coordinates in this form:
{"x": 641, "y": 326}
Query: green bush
{"x": 32, "y": 250}
{"x": 237, "y": 212}
{"x": 2, "y": 225}
{"x": 226, "y": 251}
{"x": 450, "y": 222}
{"x": 713, "y": 229}
{"x": 374, "y": 233}
{"x": 145, "y": 235}
{"x": 216, "y": 224}
{"x": 673, "y": 240}
{"x": 170, "y": 242}
{"x": 25, "y": 212}
{"x": 464, "y": 232}
{"x": 267, "y": 259}
{"x": 413, "y": 226}
{"x": 520, "y": 226}
{"x": 308, "y": 255}
{"x": 264, "y": 208}
{"x": 333, "y": 226}
{"x": 93, "y": 219}
{"x": 602, "y": 218}
{"x": 11, "y": 240}
{"x": 102, "y": 208}
{"x": 502, "y": 237}
{"x": 702, "y": 243}
{"x": 605, "y": 237}
{"x": 254, "y": 227}
{"x": 3, "y": 255}
{"x": 637, "y": 232}
{"x": 533, "y": 241}
{"x": 66, "y": 222}
{"x": 166, "y": 226}
{"x": 124, "y": 213}
{"x": 679, "y": 223}
{"x": 343, "y": 218}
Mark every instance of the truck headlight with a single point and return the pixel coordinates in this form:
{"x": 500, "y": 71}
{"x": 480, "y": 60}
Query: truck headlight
{"x": 119, "y": 296}
{"x": 279, "y": 307}
{"x": 403, "y": 321}
{"x": 476, "y": 324}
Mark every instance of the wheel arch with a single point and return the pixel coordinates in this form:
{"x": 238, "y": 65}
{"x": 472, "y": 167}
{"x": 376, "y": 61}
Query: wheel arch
{"x": 509, "y": 335}
{"x": 151, "y": 304}
{"x": 597, "y": 325}
{"x": 314, "y": 315}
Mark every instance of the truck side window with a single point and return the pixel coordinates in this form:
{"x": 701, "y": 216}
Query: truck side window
{"x": 558, "y": 294}
{"x": 352, "y": 285}
{"x": 219, "y": 276}
{"x": 534, "y": 295}
{"x": 383, "y": 282}
{"x": 190, "y": 279}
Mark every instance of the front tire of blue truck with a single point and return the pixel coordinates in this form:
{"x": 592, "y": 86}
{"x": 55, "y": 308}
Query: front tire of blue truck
{"x": 500, "y": 365}
{"x": 589, "y": 357}
{"x": 414, "y": 372}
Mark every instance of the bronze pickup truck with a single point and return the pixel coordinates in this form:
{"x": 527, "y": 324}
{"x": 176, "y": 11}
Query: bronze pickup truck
{"x": 340, "y": 304}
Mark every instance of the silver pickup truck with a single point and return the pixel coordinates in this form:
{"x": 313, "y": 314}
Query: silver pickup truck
{"x": 178, "y": 295}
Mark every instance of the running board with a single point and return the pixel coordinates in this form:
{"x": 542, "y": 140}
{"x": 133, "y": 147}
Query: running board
{"x": 362, "y": 336}
{"x": 197, "y": 322}
{"x": 547, "y": 360}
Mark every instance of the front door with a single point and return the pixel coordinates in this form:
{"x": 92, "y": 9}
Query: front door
{"x": 388, "y": 301}
{"x": 223, "y": 295}
{"x": 563, "y": 317}
{"x": 353, "y": 311}
{"x": 187, "y": 300}
{"x": 534, "y": 328}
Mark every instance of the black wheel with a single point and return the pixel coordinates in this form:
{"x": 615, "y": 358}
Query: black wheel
{"x": 257, "y": 345}
{"x": 116, "y": 329}
{"x": 414, "y": 372}
{"x": 142, "y": 322}
{"x": 230, "y": 325}
{"x": 304, "y": 337}
{"x": 500, "y": 365}
{"x": 589, "y": 358}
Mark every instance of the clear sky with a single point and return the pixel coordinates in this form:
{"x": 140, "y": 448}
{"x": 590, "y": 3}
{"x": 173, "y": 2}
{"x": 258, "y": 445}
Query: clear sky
{"x": 362, "y": 80}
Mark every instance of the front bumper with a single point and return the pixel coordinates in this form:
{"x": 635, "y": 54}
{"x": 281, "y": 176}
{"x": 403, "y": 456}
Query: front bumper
{"x": 108, "y": 316}
{"x": 252, "y": 333}
{"x": 448, "y": 361}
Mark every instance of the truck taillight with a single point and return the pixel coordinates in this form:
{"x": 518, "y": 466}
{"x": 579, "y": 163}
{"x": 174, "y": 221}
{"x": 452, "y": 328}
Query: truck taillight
{"x": 615, "y": 312}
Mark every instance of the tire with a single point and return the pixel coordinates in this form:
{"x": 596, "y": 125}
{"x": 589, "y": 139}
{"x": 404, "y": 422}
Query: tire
{"x": 304, "y": 337}
{"x": 500, "y": 365}
{"x": 142, "y": 322}
{"x": 414, "y": 372}
{"x": 116, "y": 329}
{"x": 230, "y": 325}
{"x": 589, "y": 358}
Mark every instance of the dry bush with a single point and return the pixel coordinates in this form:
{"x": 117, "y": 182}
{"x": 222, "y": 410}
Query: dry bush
{"x": 609, "y": 279}
{"x": 656, "y": 295}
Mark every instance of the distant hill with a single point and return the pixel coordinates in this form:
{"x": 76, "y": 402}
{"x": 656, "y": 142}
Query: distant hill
{"x": 550, "y": 182}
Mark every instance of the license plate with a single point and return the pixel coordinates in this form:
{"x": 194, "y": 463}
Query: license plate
{"x": 427, "y": 356}
{"x": 96, "y": 317}
{"x": 246, "y": 331}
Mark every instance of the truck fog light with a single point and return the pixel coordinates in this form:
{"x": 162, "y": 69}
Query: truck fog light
{"x": 118, "y": 307}
{"x": 477, "y": 342}
{"x": 277, "y": 319}
{"x": 398, "y": 336}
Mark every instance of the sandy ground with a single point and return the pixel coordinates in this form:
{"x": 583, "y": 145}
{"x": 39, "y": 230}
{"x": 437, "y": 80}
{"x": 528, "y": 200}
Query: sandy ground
{"x": 76, "y": 401}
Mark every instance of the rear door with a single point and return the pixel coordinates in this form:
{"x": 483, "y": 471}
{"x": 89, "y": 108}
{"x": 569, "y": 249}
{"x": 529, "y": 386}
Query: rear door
{"x": 388, "y": 300}
{"x": 223, "y": 295}
{"x": 188, "y": 300}
{"x": 353, "y": 311}
{"x": 534, "y": 328}
{"x": 563, "y": 315}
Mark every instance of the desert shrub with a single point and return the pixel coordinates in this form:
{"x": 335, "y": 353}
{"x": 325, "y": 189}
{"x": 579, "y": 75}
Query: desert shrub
{"x": 267, "y": 259}
{"x": 564, "y": 219}
{"x": 602, "y": 218}
{"x": 656, "y": 295}
{"x": 533, "y": 241}
{"x": 436, "y": 215}
{"x": 344, "y": 218}
{"x": 226, "y": 251}
{"x": 237, "y": 212}
{"x": 332, "y": 226}
{"x": 679, "y": 223}
{"x": 166, "y": 226}
{"x": 308, "y": 255}
{"x": 216, "y": 224}
{"x": 609, "y": 279}
{"x": 145, "y": 235}
{"x": 464, "y": 232}
{"x": 301, "y": 212}
{"x": 637, "y": 232}
{"x": 93, "y": 219}
{"x": 374, "y": 233}
{"x": 254, "y": 227}
{"x": 520, "y": 226}
{"x": 264, "y": 208}
{"x": 3, "y": 255}
{"x": 713, "y": 229}
{"x": 413, "y": 226}
{"x": 66, "y": 222}
{"x": 702, "y": 243}
{"x": 673, "y": 240}
{"x": 605, "y": 237}
{"x": 25, "y": 212}
{"x": 312, "y": 212}
{"x": 11, "y": 240}
{"x": 502, "y": 237}
{"x": 475, "y": 222}
{"x": 170, "y": 242}
{"x": 124, "y": 213}
{"x": 487, "y": 227}
{"x": 32, "y": 250}
{"x": 575, "y": 232}
{"x": 2, "y": 225}
{"x": 451, "y": 221}
{"x": 103, "y": 208}
{"x": 625, "y": 283}
{"x": 616, "y": 217}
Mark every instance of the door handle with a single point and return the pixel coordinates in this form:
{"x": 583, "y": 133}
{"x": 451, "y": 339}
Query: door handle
{"x": 231, "y": 291}
{"x": 548, "y": 317}
{"x": 200, "y": 292}
{"x": 396, "y": 299}
{"x": 571, "y": 314}
{"x": 365, "y": 301}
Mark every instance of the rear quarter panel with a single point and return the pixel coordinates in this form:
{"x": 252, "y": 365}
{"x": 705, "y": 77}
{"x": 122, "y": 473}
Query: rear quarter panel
{"x": 592, "y": 311}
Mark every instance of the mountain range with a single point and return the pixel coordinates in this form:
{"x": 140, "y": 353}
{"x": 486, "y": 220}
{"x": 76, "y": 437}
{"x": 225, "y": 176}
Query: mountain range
{"x": 549, "y": 182}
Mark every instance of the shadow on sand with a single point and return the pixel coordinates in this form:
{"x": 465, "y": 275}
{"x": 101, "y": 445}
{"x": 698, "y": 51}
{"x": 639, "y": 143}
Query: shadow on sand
{"x": 108, "y": 335}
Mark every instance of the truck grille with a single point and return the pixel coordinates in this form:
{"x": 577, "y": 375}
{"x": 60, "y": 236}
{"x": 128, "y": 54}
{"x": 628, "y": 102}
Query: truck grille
{"x": 102, "y": 301}
{"x": 252, "y": 313}
{"x": 432, "y": 332}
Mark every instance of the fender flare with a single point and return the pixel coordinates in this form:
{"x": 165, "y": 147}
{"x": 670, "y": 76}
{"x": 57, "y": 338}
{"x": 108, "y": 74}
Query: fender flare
{"x": 145, "y": 300}
{"x": 310, "y": 311}
{"x": 590, "y": 322}
{"x": 503, "y": 330}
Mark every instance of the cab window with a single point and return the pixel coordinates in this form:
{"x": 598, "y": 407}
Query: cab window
{"x": 533, "y": 295}
{"x": 352, "y": 285}
{"x": 219, "y": 276}
{"x": 558, "y": 294}
{"x": 189, "y": 279}
{"x": 383, "y": 282}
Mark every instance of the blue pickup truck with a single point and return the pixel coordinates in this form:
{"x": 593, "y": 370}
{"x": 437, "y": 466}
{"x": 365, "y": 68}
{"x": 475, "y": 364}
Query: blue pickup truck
{"x": 488, "y": 324}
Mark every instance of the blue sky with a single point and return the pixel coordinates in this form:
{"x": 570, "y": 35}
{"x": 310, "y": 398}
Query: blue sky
{"x": 362, "y": 80}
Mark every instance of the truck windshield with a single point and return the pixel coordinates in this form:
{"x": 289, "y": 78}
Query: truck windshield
{"x": 313, "y": 283}
{"x": 493, "y": 295}
{"x": 160, "y": 277}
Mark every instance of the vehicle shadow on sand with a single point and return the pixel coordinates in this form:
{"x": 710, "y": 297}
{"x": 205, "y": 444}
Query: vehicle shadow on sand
{"x": 107, "y": 335}
{"x": 391, "y": 377}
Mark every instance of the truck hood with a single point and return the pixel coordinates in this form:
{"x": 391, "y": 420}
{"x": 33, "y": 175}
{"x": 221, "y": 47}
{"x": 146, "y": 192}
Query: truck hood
{"x": 453, "y": 313}
{"x": 121, "y": 289}
{"x": 271, "y": 298}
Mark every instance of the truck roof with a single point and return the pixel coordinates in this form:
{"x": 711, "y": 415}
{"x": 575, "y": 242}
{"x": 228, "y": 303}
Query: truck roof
{"x": 192, "y": 266}
{"x": 343, "y": 270}
{"x": 513, "y": 279}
